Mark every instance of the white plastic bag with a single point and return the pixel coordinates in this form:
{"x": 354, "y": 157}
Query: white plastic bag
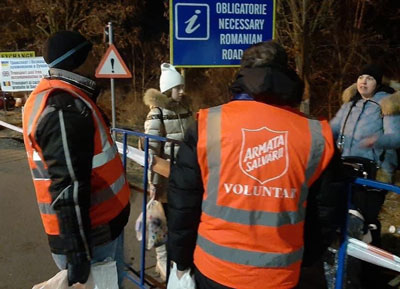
{"x": 156, "y": 225}
{"x": 102, "y": 276}
{"x": 186, "y": 281}
{"x": 105, "y": 275}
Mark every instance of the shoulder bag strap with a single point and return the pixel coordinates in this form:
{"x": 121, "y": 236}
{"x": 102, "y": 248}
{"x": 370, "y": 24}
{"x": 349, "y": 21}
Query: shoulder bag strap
{"x": 341, "y": 135}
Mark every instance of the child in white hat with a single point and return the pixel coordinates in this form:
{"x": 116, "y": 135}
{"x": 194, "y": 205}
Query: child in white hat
{"x": 169, "y": 117}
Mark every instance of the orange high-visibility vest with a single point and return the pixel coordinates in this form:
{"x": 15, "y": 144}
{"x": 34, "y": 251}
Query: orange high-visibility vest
{"x": 109, "y": 188}
{"x": 257, "y": 163}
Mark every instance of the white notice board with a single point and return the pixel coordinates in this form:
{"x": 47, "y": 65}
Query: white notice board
{"x": 22, "y": 74}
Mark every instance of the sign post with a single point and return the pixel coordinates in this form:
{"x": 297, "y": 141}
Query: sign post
{"x": 112, "y": 66}
{"x": 210, "y": 33}
{"x": 110, "y": 42}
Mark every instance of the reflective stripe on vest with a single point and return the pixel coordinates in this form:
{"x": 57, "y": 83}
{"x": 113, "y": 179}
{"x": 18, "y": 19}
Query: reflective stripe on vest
{"x": 245, "y": 257}
{"x": 40, "y": 172}
{"x": 259, "y": 218}
{"x": 104, "y": 157}
{"x": 97, "y": 198}
{"x": 36, "y": 106}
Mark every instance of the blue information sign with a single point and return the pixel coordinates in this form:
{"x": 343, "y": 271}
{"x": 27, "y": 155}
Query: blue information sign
{"x": 209, "y": 33}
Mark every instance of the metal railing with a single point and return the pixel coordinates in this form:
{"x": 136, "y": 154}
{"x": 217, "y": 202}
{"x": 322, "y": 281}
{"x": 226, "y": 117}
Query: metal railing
{"x": 342, "y": 253}
{"x": 10, "y": 126}
{"x": 139, "y": 277}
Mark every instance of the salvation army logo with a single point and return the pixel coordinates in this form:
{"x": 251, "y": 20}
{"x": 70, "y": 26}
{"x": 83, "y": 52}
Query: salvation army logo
{"x": 264, "y": 154}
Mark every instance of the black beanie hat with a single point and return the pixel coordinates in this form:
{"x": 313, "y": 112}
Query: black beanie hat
{"x": 373, "y": 70}
{"x": 66, "y": 50}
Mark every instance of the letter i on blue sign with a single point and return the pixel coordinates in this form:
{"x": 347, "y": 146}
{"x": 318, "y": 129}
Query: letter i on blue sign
{"x": 192, "y": 21}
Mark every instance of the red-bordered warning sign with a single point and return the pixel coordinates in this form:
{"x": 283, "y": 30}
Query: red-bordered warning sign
{"x": 112, "y": 65}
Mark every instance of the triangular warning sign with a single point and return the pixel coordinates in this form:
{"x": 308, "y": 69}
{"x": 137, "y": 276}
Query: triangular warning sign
{"x": 112, "y": 65}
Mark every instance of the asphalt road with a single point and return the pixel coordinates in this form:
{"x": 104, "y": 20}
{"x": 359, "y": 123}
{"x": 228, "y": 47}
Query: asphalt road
{"x": 24, "y": 255}
{"x": 25, "y": 258}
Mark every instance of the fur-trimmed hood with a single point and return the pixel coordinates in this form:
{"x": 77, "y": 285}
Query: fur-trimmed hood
{"x": 349, "y": 92}
{"x": 154, "y": 98}
{"x": 390, "y": 105}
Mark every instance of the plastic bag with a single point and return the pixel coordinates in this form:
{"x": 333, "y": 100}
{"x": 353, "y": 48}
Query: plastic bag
{"x": 186, "y": 281}
{"x": 102, "y": 276}
{"x": 156, "y": 225}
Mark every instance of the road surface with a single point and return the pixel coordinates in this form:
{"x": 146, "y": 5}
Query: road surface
{"x": 25, "y": 258}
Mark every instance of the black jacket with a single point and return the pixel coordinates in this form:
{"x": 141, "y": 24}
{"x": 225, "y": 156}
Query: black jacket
{"x": 326, "y": 206}
{"x": 65, "y": 112}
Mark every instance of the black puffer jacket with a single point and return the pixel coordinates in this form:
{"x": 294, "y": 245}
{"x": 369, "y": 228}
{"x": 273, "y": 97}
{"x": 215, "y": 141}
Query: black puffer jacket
{"x": 326, "y": 206}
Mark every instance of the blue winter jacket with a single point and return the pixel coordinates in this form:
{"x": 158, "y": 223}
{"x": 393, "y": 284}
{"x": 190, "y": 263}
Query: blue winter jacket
{"x": 377, "y": 116}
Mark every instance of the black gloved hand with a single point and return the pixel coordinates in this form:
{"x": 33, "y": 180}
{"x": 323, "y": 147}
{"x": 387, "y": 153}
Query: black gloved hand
{"x": 78, "y": 269}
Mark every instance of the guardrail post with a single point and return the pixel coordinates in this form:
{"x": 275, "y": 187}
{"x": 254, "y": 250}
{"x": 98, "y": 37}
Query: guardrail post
{"x": 139, "y": 277}
{"x": 125, "y": 148}
{"x": 144, "y": 208}
{"x": 342, "y": 254}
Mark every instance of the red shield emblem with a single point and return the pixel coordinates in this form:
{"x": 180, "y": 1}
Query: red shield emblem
{"x": 264, "y": 154}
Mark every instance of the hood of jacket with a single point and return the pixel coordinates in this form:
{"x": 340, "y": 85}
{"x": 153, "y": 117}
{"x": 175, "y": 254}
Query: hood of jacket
{"x": 271, "y": 84}
{"x": 154, "y": 98}
{"x": 390, "y": 105}
{"x": 85, "y": 84}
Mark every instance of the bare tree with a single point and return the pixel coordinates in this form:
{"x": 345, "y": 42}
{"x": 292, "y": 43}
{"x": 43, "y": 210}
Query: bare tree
{"x": 298, "y": 21}
{"x": 328, "y": 40}
{"x": 54, "y": 15}
{"x": 348, "y": 46}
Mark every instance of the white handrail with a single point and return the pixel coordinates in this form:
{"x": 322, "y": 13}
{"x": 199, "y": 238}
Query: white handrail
{"x": 10, "y": 126}
{"x": 132, "y": 153}
{"x": 374, "y": 255}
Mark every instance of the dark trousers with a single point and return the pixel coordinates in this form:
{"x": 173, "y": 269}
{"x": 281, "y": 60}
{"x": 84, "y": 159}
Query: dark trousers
{"x": 165, "y": 207}
{"x": 312, "y": 277}
{"x": 360, "y": 274}
{"x": 202, "y": 282}
{"x": 369, "y": 203}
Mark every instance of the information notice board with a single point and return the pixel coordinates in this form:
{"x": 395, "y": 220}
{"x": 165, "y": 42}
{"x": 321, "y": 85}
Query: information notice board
{"x": 22, "y": 74}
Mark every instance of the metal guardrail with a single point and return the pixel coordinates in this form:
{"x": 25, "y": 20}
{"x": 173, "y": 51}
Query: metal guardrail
{"x": 342, "y": 254}
{"x": 125, "y": 133}
{"x": 141, "y": 282}
{"x": 10, "y": 126}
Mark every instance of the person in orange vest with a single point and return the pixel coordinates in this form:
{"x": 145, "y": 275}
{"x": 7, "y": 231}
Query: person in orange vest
{"x": 80, "y": 183}
{"x": 245, "y": 176}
